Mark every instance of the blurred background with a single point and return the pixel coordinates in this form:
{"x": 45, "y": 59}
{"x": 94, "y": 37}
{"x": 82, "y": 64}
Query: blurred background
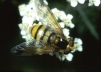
{"x": 87, "y": 22}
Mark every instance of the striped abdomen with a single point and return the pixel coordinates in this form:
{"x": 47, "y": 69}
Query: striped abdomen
{"x": 41, "y": 32}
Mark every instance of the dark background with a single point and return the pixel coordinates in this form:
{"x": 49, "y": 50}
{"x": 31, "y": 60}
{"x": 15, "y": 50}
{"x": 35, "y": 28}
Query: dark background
{"x": 88, "y": 60}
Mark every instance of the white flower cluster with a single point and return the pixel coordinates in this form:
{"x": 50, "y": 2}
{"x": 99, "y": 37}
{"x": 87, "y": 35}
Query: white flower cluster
{"x": 66, "y": 20}
{"x": 29, "y": 15}
{"x": 91, "y": 2}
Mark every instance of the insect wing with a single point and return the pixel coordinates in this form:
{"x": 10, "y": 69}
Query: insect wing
{"x": 46, "y": 16}
{"x": 24, "y": 49}
{"x": 32, "y": 48}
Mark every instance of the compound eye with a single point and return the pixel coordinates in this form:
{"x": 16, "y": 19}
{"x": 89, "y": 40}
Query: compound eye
{"x": 52, "y": 38}
{"x": 71, "y": 43}
{"x": 67, "y": 51}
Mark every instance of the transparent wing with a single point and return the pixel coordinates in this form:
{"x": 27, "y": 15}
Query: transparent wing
{"x": 45, "y": 15}
{"x": 32, "y": 48}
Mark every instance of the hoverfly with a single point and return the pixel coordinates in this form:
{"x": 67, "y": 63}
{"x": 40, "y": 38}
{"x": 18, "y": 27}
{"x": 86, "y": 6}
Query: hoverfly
{"x": 46, "y": 38}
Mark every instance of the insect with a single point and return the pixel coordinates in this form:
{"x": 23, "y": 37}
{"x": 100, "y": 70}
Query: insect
{"x": 46, "y": 38}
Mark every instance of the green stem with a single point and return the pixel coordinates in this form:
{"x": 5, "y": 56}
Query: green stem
{"x": 87, "y": 22}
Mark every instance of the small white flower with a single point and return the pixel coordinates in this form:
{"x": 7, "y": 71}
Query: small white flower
{"x": 95, "y": 2}
{"x": 81, "y": 1}
{"x": 28, "y": 38}
{"x": 80, "y": 49}
{"x": 78, "y": 40}
{"x": 69, "y": 57}
{"x": 27, "y": 20}
{"x": 23, "y": 26}
{"x": 66, "y": 32}
{"x": 62, "y": 24}
{"x": 23, "y": 32}
{"x": 70, "y": 16}
{"x": 63, "y": 57}
{"x": 75, "y": 2}
{"x": 62, "y": 15}
{"x": 22, "y": 9}
{"x": 56, "y": 12}
{"x": 68, "y": 21}
{"x": 29, "y": 7}
{"x": 72, "y": 25}
{"x": 77, "y": 45}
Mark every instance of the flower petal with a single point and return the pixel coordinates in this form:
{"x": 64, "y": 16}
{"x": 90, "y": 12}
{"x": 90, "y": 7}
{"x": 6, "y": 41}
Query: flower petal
{"x": 69, "y": 57}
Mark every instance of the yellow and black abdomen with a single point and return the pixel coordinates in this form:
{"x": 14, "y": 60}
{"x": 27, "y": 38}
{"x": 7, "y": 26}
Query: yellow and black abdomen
{"x": 41, "y": 32}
